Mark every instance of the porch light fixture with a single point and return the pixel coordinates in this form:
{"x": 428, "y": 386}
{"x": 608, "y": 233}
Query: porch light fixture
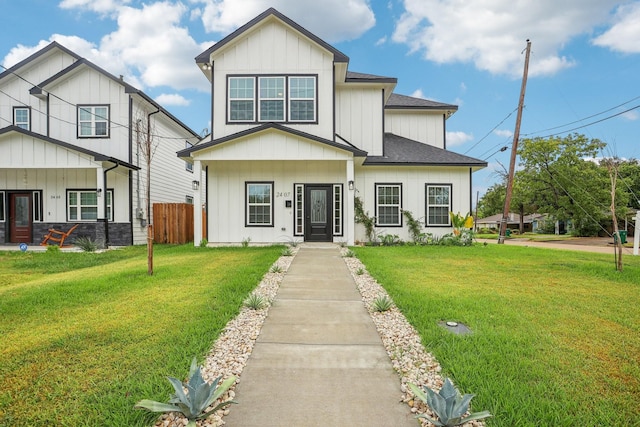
{"x": 351, "y": 184}
{"x": 206, "y": 66}
{"x": 195, "y": 185}
{"x": 98, "y": 191}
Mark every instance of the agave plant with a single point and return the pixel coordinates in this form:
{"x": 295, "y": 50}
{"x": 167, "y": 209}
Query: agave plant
{"x": 448, "y": 405}
{"x": 199, "y": 396}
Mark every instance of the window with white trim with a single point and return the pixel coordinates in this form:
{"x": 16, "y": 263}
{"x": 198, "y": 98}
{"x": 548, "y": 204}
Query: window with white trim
{"x": 438, "y": 205}
{"x": 299, "y": 209}
{"x": 259, "y": 197}
{"x": 188, "y": 200}
{"x": 2, "y": 218}
{"x": 93, "y": 121}
{"x": 37, "y": 206}
{"x": 241, "y": 99}
{"x": 337, "y": 209}
{"x": 272, "y": 99}
{"x": 302, "y": 99}
{"x": 83, "y": 205}
{"x": 389, "y": 205}
{"x": 22, "y": 117}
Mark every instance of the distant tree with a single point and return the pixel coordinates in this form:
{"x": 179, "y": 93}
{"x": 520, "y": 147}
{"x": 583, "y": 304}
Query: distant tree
{"x": 560, "y": 176}
{"x": 629, "y": 174}
{"x": 492, "y": 202}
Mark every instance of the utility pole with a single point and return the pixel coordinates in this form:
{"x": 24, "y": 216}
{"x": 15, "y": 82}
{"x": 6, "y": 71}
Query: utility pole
{"x": 514, "y": 148}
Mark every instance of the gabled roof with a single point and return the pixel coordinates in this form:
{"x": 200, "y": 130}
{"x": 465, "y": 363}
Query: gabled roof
{"x": 40, "y": 88}
{"x": 338, "y": 56}
{"x": 98, "y": 157}
{"x": 42, "y": 52}
{"x": 403, "y": 151}
{"x": 409, "y": 102}
{"x": 202, "y": 146}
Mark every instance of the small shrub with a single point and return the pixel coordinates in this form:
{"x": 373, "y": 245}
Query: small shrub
{"x": 287, "y": 252}
{"x": 389, "y": 239}
{"x": 53, "y": 249}
{"x": 203, "y": 243}
{"x": 246, "y": 241}
{"x": 275, "y": 269}
{"x": 194, "y": 403}
{"x": 349, "y": 254}
{"x": 382, "y": 303}
{"x": 255, "y": 301}
{"x": 360, "y": 271}
{"x": 448, "y": 405}
{"x": 86, "y": 244}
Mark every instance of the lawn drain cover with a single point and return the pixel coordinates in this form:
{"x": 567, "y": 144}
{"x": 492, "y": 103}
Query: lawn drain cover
{"x": 455, "y": 327}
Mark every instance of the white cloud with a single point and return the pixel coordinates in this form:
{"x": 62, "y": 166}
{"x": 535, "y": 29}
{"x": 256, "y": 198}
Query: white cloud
{"x": 331, "y": 20}
{"x": 381, "y": 41}
{"x": 631, "y": 115}
{"x": 172, "y": 99}
{"x": 458, "y": 138}
{"x": 624, "y": 35}
{"x": 99, "y": 6}
{"x": 418, "y": 94}
{"x": 505, "y": 133}
{"x": 492, "y": 36}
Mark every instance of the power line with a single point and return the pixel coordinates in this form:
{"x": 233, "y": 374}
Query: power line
{"x": 592, "y": 123}
{"x": 489, "y": 133}
{"x": 117, "y": 125}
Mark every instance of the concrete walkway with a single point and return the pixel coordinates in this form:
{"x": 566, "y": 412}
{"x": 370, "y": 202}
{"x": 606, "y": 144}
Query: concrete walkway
{"x": 319, "y": 360}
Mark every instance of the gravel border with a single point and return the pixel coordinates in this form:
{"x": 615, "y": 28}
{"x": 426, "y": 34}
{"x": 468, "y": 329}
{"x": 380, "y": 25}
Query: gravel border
{"x": 232, "y": 349}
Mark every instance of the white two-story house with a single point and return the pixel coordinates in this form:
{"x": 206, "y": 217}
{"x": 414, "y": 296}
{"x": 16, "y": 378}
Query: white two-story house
{"x": 296, "y": 137}
{"x": 72, "y": 142}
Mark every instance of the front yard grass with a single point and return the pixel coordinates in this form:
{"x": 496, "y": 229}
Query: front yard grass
{"x": 556, "y": 334}
{"x": 84, "y": 336}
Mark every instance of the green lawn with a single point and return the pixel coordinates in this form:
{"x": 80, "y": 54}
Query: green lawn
{"x": 84, "y": 336}
{"x": 556, "y": 334}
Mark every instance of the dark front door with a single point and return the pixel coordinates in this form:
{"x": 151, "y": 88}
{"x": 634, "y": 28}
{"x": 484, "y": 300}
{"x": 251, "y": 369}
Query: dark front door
{"x": 317, "y": 212}
{"x": 20, "y": 217}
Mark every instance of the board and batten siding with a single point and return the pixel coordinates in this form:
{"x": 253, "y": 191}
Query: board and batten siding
{"x": 413, "y": 180}
{"x": 226, "y": 192}
{"x": 359, "y": 117}
{"x": 253, "y": 54}
{"x": 418, "y": 126}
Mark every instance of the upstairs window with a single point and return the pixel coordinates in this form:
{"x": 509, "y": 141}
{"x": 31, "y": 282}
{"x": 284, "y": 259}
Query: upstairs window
{"x": 93, "y": 121}
{"x": 252, "y": 99}
{"x": 438, "y": 199}
{"x": 22, "y": 117}
{"x": 241, "y": 99}
{"x": 271, "y": 99}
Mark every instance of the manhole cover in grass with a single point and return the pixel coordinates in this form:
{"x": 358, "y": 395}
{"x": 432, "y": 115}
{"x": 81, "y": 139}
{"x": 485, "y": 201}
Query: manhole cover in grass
{"x": 455, "y": 327}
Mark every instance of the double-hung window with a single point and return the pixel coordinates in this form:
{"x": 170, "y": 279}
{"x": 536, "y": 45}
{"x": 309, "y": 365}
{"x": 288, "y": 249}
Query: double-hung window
{"x": 389, "y": 205}
{"x": 272, "y": 99}
{"x": 438, "y": 201}
{"x": 302, "y": 99}
{"x": 241, "y": 99}
{"x": 93, "y": 121}
{"x": 259, "y": 207}
{"x": 83, "y": 205}
{"x": 22, "y": 117}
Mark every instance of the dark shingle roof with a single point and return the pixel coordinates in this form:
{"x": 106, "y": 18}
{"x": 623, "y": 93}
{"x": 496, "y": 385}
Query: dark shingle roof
{"x": 403, "y": 151}
{"x": 365, "y": 78}
{"x": 403, "y": 101}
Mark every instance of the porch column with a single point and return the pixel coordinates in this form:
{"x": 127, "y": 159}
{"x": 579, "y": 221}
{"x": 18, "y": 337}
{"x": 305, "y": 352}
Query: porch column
{"x": 197, "y": 203}
{"x": 102, "y": 194}
{"x": 350, "y": 205}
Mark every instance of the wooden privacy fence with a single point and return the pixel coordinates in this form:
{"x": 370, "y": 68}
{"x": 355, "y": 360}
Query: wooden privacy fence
{"x": 173, "y": 223}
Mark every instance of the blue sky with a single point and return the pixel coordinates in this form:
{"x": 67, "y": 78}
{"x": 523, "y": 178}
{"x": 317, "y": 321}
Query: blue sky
{"x": 584, "y": 68}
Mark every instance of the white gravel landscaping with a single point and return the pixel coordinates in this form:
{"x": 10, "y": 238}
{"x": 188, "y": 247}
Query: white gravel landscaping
{"x": 233, "y": 348}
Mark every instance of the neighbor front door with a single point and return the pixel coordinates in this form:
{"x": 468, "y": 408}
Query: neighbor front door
{"x": 20, "y": 217}
{"x": 318, "y": 217}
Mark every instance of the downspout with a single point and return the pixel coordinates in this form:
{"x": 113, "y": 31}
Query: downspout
{"x": 104, "y": 203}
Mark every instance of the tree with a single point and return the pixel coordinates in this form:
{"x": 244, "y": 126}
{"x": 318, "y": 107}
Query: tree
{"x": 629, "y": 174}
{"x": 560, "y": 176}
{"x": 492, "y": 202}
{"x": 147, "y": 147}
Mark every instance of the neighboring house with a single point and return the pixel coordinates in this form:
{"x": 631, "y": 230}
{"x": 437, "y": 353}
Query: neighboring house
{"x": 297, "y": 136}
{"x": 530, "y": 223}
{"x": 69, "y": 134}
